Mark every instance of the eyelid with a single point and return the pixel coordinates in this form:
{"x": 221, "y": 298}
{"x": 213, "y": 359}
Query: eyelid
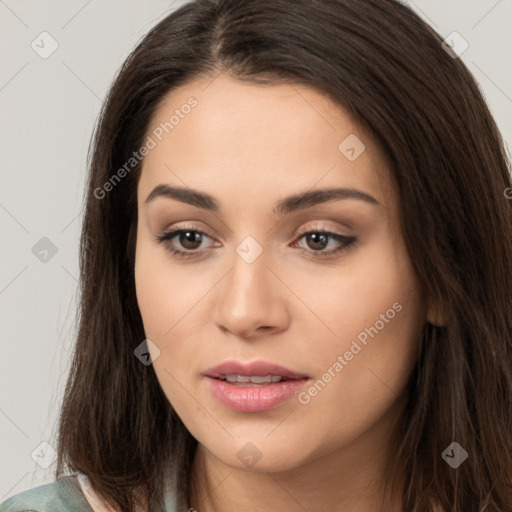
{"x": 184, "y": 226}
{"x": 169, "y": 233}
{"x": 346, "y": 241}
{"x": 321, "y": 226}
{"x": 314, "y": 226}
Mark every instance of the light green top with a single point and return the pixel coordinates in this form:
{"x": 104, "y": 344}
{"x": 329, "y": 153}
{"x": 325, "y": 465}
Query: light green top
{"x": 63, "y": 495}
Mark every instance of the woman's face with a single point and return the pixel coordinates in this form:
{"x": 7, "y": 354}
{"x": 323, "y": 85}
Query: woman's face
{"x": 334, "y": 319}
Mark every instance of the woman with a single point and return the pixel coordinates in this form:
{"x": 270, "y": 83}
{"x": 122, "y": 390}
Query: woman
{"x": 296, "y": 274}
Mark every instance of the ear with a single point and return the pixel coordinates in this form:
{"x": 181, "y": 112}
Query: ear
{"x": 438, "y": 314}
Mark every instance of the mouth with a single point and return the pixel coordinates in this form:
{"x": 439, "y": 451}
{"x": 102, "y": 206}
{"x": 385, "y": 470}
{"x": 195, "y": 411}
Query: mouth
{"x": 252, "y": 380}
{"x": 257, "y": 372}
{"x": 253, "y": 387}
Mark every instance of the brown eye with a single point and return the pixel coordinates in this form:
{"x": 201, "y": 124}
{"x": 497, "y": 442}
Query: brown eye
{"x": 185, "y": 243}
{"x": 190, "y": 239}
{"x": 317, "y": 241}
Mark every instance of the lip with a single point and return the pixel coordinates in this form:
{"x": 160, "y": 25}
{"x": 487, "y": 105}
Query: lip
{"x": 254, "y": 398}
{"x": 252, "y": 369}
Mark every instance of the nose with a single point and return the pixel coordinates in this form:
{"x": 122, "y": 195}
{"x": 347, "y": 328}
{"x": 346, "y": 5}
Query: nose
{"x": 251, "y": 300}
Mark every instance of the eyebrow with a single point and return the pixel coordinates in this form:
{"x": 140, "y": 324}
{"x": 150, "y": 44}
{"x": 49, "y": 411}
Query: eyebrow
{"x": 286, "y": 205}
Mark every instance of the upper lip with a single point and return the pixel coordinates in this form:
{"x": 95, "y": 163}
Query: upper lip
{"x": 253, "y": 369}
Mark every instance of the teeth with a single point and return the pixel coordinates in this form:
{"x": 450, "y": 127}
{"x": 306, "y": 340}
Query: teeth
{"x": 253, "y": 379}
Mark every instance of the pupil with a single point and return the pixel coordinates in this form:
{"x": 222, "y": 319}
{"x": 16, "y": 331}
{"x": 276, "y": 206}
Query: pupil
{"x": 315, "y": 238}
{"x": 189, "y": 239}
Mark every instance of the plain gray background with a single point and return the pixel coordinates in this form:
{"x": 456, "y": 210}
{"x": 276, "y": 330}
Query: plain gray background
{"x": 48, "y": 108}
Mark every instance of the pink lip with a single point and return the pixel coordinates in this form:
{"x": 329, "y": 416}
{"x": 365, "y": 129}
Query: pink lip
{"x": 253, "y": 398}
{"x": 252, "y": 369}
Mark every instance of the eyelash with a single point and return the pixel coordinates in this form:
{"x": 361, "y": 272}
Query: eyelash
{"x": 165, "y": 237}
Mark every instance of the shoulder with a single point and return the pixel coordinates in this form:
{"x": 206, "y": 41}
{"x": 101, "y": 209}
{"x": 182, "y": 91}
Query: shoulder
{"x": 63, "y": 495}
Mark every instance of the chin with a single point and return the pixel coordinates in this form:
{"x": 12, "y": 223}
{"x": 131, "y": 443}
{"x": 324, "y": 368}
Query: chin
{"x": 257, "y": 454}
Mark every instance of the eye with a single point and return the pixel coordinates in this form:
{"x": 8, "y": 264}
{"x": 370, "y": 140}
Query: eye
{"x": 188, "y": 240}
{"x": 318, "y": 240}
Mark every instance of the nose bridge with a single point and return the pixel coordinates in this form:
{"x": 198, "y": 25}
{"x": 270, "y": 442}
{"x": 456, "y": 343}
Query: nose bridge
{"x": 250, "y": 297}
{"x": 249, "y": 280}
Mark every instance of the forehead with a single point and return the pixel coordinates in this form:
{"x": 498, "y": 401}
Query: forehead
{"x": 255, "y": 140}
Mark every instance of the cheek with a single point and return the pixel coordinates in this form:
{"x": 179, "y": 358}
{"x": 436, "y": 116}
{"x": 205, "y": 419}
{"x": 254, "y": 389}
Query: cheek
{"x": 164, "y": 294}
{"x": 374, "y": 284}
{"x": 377, "y": 314}
{"x": 171, "y": 303}
{"x": 165, "y": 304}
{"x": 153, "y": 295}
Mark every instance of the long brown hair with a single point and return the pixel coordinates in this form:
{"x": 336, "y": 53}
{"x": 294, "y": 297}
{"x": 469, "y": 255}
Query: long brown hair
{"x": 382, "y": 63}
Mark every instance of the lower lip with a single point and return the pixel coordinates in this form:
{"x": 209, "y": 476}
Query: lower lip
{"x": 254, "y": 398}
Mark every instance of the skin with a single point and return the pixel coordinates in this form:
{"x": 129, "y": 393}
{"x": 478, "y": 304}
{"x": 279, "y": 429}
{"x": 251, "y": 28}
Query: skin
{"x": 250, "y": 146}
